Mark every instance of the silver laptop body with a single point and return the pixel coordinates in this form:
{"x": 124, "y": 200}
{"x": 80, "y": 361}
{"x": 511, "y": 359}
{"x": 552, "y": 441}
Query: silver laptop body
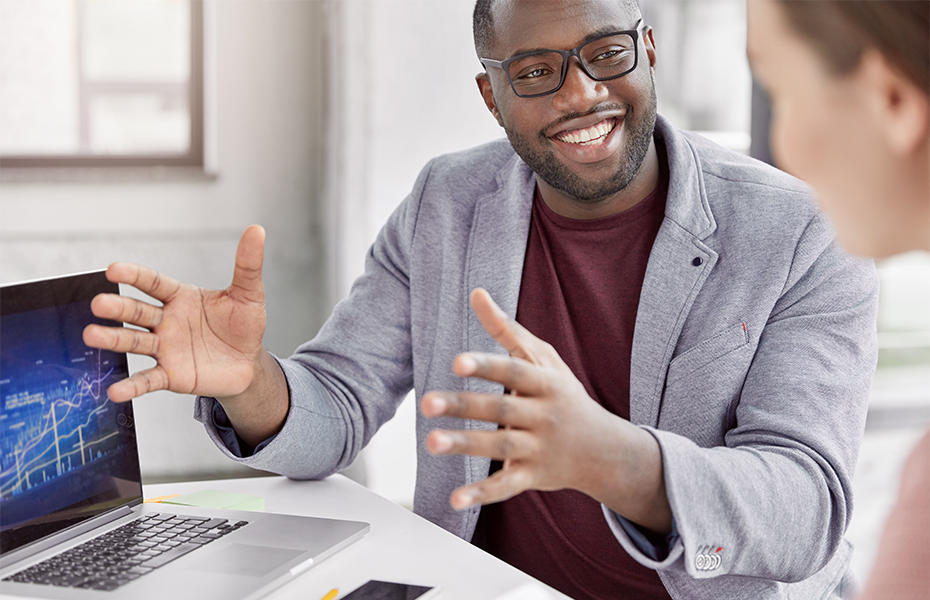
{"x": 70, "y": 483}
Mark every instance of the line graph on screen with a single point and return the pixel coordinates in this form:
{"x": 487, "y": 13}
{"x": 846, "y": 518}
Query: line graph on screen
{"x": 55, "y": 420}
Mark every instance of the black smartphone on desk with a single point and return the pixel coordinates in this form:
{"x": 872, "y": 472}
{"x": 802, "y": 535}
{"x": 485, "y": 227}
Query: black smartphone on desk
{"x": 388, "y": 590}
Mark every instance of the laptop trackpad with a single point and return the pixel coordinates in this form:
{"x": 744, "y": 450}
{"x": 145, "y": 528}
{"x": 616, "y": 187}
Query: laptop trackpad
{"x": 245, "y": 559}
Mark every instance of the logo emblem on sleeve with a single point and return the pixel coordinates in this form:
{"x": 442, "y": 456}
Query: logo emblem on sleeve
{"x": 708, "y": 558}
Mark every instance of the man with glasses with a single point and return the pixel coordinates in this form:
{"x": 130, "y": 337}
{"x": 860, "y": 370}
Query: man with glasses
{"x": 654, "y": 339}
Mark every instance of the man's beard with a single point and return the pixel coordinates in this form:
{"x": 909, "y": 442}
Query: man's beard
{"x": 548, "y": 168}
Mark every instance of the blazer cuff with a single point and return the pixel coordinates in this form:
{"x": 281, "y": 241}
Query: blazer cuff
{"x": 215, "y": 420}
{"x": 229, "y": 436}
{"x": 640, "y": 547}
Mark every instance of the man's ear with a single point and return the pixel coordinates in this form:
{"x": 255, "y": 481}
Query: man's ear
{"x": 650, "y": 44}
{"x": 902, "y": 110}
{"x": 484, "y": 86}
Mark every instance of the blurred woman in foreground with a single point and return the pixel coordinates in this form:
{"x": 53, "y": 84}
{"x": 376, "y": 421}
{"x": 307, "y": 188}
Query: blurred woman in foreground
{"x": 850, "y": 90}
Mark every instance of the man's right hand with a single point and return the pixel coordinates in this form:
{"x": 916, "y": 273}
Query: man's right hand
{"x": 205, "y": 342}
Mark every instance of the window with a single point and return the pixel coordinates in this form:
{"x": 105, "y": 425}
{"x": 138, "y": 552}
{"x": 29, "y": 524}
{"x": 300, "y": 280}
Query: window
{"x": 702, "y": 77}
{"x": 101, "y": 83}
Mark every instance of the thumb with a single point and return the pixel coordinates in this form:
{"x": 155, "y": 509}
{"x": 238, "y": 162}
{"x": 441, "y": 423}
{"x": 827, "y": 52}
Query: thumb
{"x": 508, "y": 333}
{"x": 247, "y": 276}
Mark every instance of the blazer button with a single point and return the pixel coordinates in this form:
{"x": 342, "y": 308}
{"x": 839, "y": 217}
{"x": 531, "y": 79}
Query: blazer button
{"x": 698, "y": 261}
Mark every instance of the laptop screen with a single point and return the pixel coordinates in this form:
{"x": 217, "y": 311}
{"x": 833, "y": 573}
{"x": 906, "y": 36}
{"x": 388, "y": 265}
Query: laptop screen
{"x": 67, "y": 453}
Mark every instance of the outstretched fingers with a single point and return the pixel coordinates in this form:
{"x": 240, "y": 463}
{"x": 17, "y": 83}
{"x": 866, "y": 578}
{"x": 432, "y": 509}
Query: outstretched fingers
{"x": 501, "y": 444}
{"x": 500, "y": 486}
{"x": 513, "y": 373}
{"x": 155, "y": 284}
{"x": 494, "y": 408}
{"x": 127, "y": 310}
{"x": 143, "y": 382}
{"x": 121, "y": 339}
{"x": 508, "y": 333}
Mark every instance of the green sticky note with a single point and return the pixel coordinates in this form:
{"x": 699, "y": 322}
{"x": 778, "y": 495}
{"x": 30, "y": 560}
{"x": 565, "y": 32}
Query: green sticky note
{"x": 217, "y": 499}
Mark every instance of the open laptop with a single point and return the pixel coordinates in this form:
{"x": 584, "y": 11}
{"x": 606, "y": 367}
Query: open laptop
{"x": 72, "y": 521}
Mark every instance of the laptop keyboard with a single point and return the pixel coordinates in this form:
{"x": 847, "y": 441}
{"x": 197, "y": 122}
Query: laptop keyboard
{"x": 128, "y": 552}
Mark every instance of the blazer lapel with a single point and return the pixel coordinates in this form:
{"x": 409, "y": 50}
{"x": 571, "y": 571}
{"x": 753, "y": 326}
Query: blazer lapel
{"x": 672, "y": 282}
{"x": 678, "y": 266}
{"x": 494, "y": 261}
{"x": 496, "y": 251}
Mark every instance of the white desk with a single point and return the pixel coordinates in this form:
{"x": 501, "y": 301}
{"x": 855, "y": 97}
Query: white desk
{"x": 400, "y": 546}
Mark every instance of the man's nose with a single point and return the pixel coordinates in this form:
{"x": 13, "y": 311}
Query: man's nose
{"x": 578, "y": 92}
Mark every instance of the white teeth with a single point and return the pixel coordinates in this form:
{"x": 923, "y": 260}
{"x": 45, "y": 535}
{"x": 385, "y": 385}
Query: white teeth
{"x": 588, "y": 136}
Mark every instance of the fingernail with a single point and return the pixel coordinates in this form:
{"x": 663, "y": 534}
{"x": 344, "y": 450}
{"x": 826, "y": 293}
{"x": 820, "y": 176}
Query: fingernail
{"x": 441, "y": 442}
{"x": 438, "y": 405}
{"x": 463, "y": 500}
{"x": 467, "y": 364}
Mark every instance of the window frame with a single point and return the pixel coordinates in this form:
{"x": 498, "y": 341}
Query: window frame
{"x": 194, "y": 157}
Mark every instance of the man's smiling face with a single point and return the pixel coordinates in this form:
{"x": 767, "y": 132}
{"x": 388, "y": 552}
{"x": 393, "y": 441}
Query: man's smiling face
{"x": 589, "y": 139}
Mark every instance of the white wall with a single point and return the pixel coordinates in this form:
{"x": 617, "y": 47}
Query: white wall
{"x": 265, "y": 105}
{"x": 402, "y": 91}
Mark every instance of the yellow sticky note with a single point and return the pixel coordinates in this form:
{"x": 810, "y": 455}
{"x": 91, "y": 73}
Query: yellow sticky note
{"x": 217, "y": 499}
{"x": 160, "y": 498}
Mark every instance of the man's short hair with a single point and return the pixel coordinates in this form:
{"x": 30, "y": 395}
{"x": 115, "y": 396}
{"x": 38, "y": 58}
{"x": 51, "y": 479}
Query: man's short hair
{"x": 483, "y": 24}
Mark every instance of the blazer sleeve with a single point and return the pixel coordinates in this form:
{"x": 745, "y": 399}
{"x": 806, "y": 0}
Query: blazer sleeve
{"x": 774, "y": 501}
{"x": 349, "y": 380}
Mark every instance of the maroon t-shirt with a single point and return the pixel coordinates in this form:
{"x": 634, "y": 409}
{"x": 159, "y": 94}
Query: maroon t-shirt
{"x": 580, "y": 292}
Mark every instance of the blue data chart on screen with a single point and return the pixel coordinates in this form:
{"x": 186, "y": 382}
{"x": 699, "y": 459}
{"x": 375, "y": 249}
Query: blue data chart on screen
{"x": 56, "y": 423}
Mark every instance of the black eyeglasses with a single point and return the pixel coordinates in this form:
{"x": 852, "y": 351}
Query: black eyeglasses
{"x": 542, "y": 72}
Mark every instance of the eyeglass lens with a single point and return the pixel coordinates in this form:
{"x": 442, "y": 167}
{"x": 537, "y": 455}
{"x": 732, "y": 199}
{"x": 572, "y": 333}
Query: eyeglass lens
{"x": 603, "y": 58}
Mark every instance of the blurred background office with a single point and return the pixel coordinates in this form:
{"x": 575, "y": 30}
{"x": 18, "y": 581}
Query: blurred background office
{"x": 155, "y": 131}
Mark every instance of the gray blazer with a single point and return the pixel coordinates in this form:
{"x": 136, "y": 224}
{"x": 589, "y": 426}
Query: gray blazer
{"x": 750, "y": 366}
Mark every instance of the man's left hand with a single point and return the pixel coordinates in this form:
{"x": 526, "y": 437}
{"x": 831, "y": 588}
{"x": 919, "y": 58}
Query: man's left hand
{"x": 555, "y": 435}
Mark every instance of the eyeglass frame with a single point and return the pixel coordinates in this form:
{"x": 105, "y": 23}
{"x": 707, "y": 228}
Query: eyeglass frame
{"x": 504, "y": 65}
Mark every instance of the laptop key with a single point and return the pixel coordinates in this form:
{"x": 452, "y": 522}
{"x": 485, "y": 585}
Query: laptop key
{"x": 66, "y": 580}
{"x": 105, "y": 584}
{"x": 213, "y": 523}
{"x": 170, "y": 555}
{"x": 199, "y": 540}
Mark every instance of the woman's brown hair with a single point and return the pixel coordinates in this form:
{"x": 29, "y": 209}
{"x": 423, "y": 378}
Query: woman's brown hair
{"x": 841, "y": 30}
